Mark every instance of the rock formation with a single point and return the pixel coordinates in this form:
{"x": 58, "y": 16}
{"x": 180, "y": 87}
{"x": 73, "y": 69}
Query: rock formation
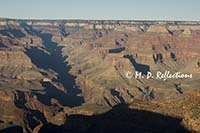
{"x": 51, "y": 69}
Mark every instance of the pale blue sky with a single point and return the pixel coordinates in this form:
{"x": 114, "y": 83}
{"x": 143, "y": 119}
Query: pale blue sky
{"x": 102, "y": 9}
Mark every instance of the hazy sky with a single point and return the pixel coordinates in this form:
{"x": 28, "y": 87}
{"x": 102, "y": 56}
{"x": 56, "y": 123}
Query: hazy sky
{"x": 102, "y": 9}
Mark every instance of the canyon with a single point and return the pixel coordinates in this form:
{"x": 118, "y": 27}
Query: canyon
{"x": 70, "y": 75}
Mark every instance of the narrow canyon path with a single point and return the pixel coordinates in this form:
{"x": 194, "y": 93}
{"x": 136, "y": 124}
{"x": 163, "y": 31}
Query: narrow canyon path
{"x": 53, "y": 59}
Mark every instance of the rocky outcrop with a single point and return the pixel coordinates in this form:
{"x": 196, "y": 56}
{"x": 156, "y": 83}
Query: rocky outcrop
{"x": 14, "y": 58}
{"x": 48, "y": 65}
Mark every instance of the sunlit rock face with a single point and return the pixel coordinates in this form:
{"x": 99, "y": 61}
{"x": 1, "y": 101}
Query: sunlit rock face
{"x": 50, "y": 69}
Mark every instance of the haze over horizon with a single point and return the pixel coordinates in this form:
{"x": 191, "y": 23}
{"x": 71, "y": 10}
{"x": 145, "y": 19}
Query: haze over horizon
{"x": 184, "y": 10}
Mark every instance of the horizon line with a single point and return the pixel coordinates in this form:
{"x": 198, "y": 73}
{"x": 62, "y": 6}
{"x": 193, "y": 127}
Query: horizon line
{"x": 88, "y": 19}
